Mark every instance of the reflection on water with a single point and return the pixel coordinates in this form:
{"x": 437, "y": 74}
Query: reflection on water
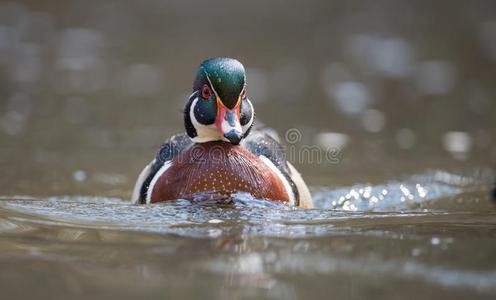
{"x": 431, "y": 234}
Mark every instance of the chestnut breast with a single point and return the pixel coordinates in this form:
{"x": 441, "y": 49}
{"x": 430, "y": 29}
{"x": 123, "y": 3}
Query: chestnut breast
{"x": 216, "y": 168}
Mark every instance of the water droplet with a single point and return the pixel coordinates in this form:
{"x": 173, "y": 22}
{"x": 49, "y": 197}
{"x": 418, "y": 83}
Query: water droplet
{"x": 390, "y": 57}
{"x": 458, "y": 143}
{"x": 332, "y": 140}
{"x": 215, "y": 221}
{"x": 79, "y": 175}
{"x": 435, "y": 241}
{"x": 351, "y": 98}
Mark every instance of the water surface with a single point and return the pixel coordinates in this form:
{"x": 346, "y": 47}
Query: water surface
{"x": 430, "y": 235}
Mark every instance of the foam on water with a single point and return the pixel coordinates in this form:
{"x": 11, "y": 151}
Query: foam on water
{"x": 409, "y": 198}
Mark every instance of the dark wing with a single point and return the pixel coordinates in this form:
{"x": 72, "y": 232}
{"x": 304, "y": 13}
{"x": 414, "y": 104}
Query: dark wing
{"x": 261, "y": 143}
{"x": 171, "y": 148}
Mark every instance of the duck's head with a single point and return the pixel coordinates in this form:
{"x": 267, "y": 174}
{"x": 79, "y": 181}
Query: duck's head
{"x": 218, "y": 109}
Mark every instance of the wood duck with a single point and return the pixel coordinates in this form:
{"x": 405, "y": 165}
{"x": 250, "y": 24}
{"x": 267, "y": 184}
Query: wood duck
{"x": 220, "y": 154}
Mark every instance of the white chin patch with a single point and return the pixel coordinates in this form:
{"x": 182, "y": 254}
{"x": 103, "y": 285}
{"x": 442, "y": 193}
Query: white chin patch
{"x": 226, "y": 127}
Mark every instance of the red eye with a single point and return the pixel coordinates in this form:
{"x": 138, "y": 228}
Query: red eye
{"x": 206, "y": 92}
{"x": 243, "y": 93}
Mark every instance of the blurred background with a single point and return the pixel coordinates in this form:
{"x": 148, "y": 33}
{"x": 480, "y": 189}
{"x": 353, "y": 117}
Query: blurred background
{"x": 90, "y": 89}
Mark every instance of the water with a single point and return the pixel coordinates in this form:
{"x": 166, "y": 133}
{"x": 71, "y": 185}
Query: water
{"x": 403, "y": 91}
{"x": 430, "y": 235}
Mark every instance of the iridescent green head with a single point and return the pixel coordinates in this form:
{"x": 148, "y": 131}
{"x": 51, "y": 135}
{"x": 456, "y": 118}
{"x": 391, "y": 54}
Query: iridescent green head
{"x": 218, "y": 109}
{"x": 225, "y": 76}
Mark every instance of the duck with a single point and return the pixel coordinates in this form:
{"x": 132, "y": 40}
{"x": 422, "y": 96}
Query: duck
{"x": 221, "y": 153}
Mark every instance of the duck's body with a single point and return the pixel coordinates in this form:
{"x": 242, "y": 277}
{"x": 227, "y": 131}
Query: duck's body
{"x": 216, "y": 160}
{"x": 216, "y": 169}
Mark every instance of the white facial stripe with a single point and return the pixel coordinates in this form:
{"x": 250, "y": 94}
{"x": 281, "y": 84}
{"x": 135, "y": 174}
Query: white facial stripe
{"x": 160, "y": 172}
{"x": 211, "y": 85}
{"x": 194, "y": 93}
{"x": 285, "y": 182}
